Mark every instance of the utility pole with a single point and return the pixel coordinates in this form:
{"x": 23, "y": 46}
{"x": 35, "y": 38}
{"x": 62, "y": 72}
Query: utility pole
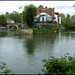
{"x": 21, "y": 16}
{"x": 22, "y": 20}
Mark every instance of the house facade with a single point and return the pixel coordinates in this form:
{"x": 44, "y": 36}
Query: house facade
{"x": 43, "y": 17}
{"x": 47, "y": 15}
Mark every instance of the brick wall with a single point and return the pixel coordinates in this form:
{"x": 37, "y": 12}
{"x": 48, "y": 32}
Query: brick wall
{"x": 49, "y": 11}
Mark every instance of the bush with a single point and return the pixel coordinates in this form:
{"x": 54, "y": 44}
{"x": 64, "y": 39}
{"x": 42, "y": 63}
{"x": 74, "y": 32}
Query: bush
{"x": 3, "y": 69}
{"x": 58, "y": 65}
{"x": 42, "y": 31}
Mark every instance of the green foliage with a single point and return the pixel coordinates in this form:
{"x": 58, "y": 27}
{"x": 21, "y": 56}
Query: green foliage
{"x": 73, "y": 66}
{"x": 67, "y": 22}
{"x": 3, "y": 68}
{"x": 72, "y": 27}
{"x": 14, "y": 16}
{"x": 40, "y": 6}
{"x": 29, "y": 13}
{"x": 42, "y": 31}
{"x": 7, "y": 15}
{"x": 30, "y": 17}
{"x": 3, "y": 21}
{"x": 58, "y": 65}
{"x": 62, "y": 17}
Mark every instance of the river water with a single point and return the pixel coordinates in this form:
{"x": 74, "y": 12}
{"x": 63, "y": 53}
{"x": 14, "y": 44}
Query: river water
{"x": 23, "y": 54}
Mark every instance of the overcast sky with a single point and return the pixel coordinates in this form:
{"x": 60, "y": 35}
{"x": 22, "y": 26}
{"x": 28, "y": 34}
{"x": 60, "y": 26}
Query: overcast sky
{"x": 65, "y": 7}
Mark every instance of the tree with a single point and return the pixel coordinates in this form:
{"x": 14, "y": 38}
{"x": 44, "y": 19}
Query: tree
{"x": 3, "y": 21}
{"x": 67, "y": 22}
{"x": 28, "y": 14}
{"x": 40, "y": 6}
{"x": 7, "y": 15}
{"x": 15, "y": 16}
{"x": 30, "y": 17}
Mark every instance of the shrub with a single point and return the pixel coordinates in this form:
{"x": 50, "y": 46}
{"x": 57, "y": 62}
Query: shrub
{"x": 3, "y": 68}
{"x": 58, "y": 65}
{"x": 42, "y": 31}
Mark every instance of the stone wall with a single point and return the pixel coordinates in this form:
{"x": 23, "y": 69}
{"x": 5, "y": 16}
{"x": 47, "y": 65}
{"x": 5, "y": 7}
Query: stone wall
{"x": 26, "y": 31}
{"x": 44, "y": 25}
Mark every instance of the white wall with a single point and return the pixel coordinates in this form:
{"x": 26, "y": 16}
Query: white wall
{"x": 55, "y": 18}
{"x": 42, "y": 17}
{"x": 10, "y": 21}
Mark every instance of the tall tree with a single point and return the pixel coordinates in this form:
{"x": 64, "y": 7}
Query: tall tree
{"x": 26, "y": 9}
{"x": 40, "y": 6}
{"x": 30, "y": 17}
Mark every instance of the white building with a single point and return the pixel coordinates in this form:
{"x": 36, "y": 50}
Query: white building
{"x": 10, "y": 21}
{"x": 43, "y": 17}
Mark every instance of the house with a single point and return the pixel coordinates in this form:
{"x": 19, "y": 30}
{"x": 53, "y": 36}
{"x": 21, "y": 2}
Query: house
{"x": 10, "y": 21}
{"x": 73, "y": 19}
{"x": 47, "y": 15}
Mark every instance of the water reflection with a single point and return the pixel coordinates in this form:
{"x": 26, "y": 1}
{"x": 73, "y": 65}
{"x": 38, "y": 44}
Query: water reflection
{"x": 11, "y": 33}
{"x": 68, "y": 35}
{"x": 3, "y": 33}
{"x": 30, "y": 45}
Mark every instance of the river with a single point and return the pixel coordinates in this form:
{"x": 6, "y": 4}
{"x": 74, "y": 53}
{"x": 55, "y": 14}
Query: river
{"x": 23, "y": 54}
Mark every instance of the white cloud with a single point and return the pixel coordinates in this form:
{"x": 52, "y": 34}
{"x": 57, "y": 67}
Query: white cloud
{"x": 65, "y": 7}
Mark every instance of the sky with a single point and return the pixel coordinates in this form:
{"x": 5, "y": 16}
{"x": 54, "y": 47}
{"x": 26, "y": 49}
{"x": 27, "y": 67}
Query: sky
{"x": 65, "y": 7}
